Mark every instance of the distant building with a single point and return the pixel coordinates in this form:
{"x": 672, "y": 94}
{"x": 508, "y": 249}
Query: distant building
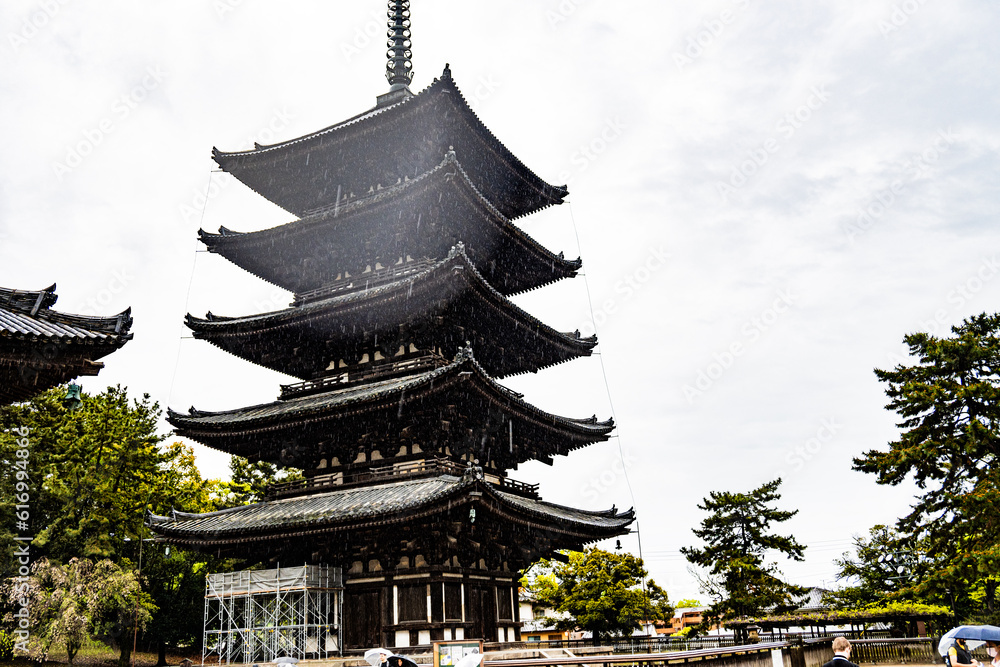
{"x": 683, "y": 617}
{"x": 537, "y": 625}
{"x": 812, "y": 601}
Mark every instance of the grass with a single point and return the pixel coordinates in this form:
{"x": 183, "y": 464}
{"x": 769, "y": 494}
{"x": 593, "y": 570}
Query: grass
{"x": 96, "y": 654}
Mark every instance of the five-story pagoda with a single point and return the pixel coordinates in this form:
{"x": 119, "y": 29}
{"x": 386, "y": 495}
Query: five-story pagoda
{"x": 402, "y": 259}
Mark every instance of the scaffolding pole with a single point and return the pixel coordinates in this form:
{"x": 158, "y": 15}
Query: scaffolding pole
{"x": 261, "y": 615}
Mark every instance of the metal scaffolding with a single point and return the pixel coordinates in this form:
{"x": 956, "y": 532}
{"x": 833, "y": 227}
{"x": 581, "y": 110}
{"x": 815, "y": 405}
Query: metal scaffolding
{"x": 260, "y": 615}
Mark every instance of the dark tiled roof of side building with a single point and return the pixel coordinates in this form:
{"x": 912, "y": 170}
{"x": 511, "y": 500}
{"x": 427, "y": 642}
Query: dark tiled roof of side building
{"x": 28, "y": 314}
{"x": 41, "y": 348}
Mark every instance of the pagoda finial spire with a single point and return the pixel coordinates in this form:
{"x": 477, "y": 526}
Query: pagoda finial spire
{"x": 399, "y": 69}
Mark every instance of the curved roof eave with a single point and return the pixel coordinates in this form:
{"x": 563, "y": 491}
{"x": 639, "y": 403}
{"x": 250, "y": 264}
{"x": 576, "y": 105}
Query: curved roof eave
{"x": 264, "y": 155}
{"x": 385, "y": 504}
{"x": 213, "y": 326}
{"x": 275, "y": 415}
{"x": 339, "y": 215}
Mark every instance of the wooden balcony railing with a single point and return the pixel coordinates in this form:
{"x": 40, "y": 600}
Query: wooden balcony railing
{"x": 377, "y": 371}
{"x": 363, "y": 281}
{"x": 410, "y": 469}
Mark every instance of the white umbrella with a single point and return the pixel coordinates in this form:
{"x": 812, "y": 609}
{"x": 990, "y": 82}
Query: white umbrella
{"x": 373, "y": 656}
{"x": 471, "y": 660}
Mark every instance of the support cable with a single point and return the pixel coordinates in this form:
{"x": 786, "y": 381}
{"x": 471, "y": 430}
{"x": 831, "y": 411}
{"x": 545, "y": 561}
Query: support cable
{"x": 607, "y": 388}
{"x": 187, "y": 296}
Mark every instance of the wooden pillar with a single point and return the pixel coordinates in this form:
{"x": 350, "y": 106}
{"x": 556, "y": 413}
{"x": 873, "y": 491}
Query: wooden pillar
{"x": 797, "y": 650}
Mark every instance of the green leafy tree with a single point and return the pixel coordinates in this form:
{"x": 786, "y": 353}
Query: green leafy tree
{"x": 92, "y": 475}
{"x": 688, "y": 603}
{"x": 66, "y": 603}
{"x": 250, "y": 480}
{"x": 737, "y": 541}
{"x": 118, "y": 607}
{"x": 175, "y": 578}
{"x": 948, "y": 402}
{"x": 94, "y": 472}
{"x": 54, "y": 598}
{"x": 6, "y": 646}
{"x": 605, "y": 593}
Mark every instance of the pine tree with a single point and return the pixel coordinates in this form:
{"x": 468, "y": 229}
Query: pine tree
{"x": 949, "y": 402}
{"x": 881, "y": 568}
{"x": 737, "y": 541}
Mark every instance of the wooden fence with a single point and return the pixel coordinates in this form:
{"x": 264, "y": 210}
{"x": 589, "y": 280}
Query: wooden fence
{"x": 753, "y": 655}
{"x": 920, "y": 651}
{"x": 813, "y": 652}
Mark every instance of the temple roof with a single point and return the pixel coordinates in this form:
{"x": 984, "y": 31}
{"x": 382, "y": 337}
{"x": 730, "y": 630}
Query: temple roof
{"x": 444, "y": 306}
{"x": 404, "y": 502}
{"x": 339, "y": 418}
{"x": 41, "y": 348}
{"x": 384, "y": 145}
{"x": 421, "y": 217}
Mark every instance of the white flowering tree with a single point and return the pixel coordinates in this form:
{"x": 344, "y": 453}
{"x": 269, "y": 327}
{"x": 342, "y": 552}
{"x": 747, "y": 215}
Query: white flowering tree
{"x": 68, "y": 603}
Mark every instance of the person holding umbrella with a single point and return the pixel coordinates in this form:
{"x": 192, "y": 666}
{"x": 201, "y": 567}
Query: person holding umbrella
{"x": 960, "y": 656}
{"x": 381, "y": 657}
{"x": 957, "y": 653}
{"x": 992, "y": 649}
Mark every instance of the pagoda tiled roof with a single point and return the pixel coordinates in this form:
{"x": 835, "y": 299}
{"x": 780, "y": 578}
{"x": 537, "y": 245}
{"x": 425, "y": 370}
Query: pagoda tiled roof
{"x": 336, "y": 417}
{"x": 386, "y": 144}
{"x": 41, "y": 347}
{"x": 310, "y": 252}
{"x": 382, "y": 505}
{"x": 449, "y": 304}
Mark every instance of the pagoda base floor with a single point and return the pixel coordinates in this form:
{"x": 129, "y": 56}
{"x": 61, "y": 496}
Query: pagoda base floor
{"x": 409, "y": 607}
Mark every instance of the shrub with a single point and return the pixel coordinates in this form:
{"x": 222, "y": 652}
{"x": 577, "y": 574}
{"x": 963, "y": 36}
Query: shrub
{"x": 6, "y": 647}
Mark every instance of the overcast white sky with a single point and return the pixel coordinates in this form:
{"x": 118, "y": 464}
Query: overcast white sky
{"x": 720, "y": 156}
